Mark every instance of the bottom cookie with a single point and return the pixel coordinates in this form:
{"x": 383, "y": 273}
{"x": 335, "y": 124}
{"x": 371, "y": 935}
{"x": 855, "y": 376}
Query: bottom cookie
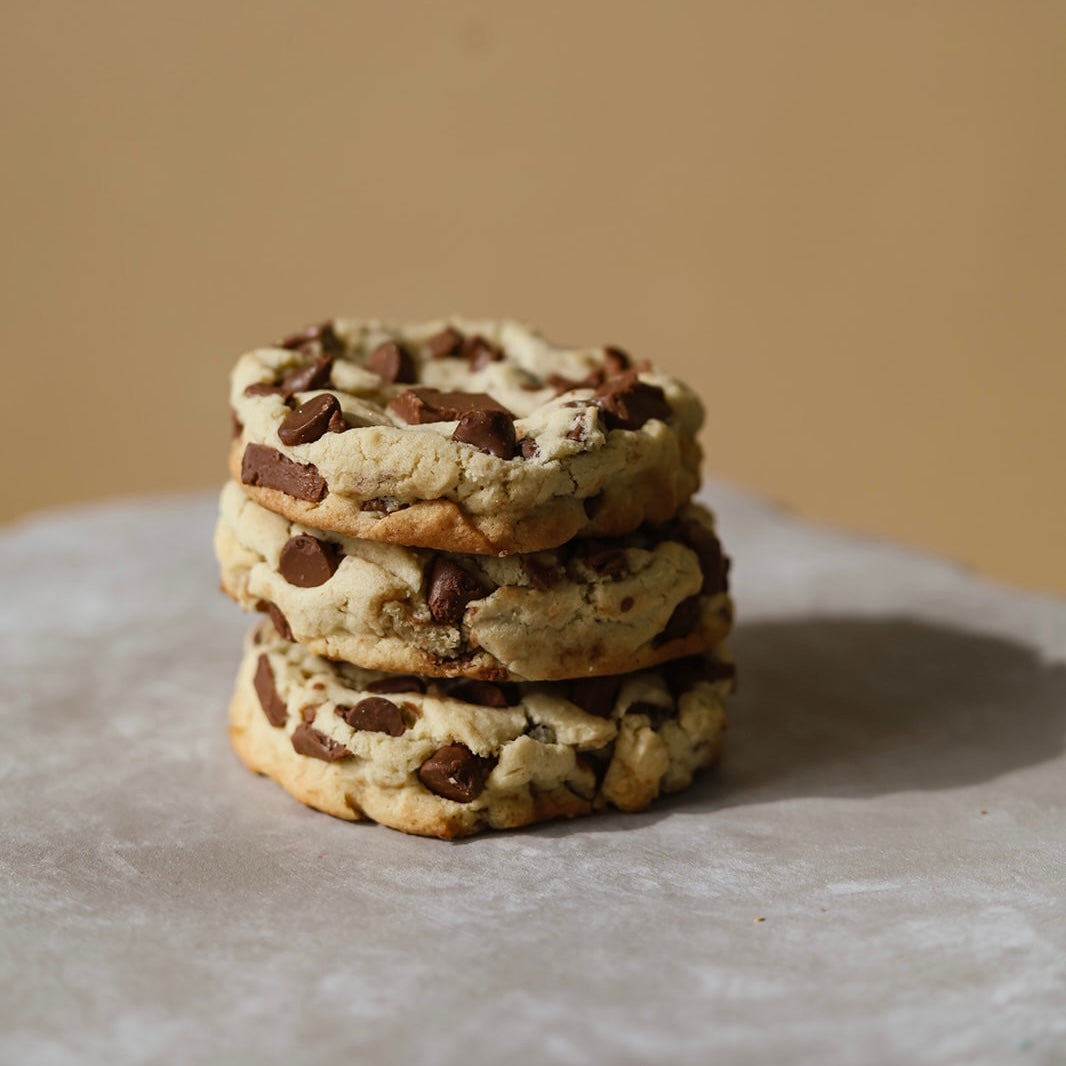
{"x": 450, "y": 758}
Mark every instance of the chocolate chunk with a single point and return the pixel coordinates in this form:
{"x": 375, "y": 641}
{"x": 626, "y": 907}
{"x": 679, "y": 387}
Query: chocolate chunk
{"x": 322, "y": 334}
{"x": 542, "y": 576}
{"x": 374, "y": 715}
{"x": 527, "y": 448}
{"x": 592, "y": 505}
{"x": 267, "y": 468}
{"x": 392, "y": 363}
{"x": 310, "y": 712}
{"x": 281, "y": 623}
{"x": 626, "y": 605}
{"x": 487, "y": 693}
{"x": 264, "y": 388}
{"x": 683, "y": 621}
{"x": 488, "y": 431}
{"x": 682, "y": 674}
{"x": 448, "y": 342}
{"x": 236, "y": 425}
{"x": 455, "y": 773}
{"x": 397, "y": 683}
{"x": 419, "y": 406}
{"x": 615, "y": 361}
{"x": 310, "y": 420}
{"x": 577, "y": 431}
{"x": 480, "y": 352}
{"x": 308, "y": 562}
{"x": 561, "y": 384}
{"x": 382, "y": 505}
{"x": 449, "y": 588}
{"x": 713, "y": 563}
{"x": 596, "y": 695}
{"x": 304, "y": 379}
{"x": 654, "y": 711}
{"x": 306, "y": 740}
{"x": 604, "y": 559}
{"x": 627, "y": 402}
{"x": 266, "y": 689}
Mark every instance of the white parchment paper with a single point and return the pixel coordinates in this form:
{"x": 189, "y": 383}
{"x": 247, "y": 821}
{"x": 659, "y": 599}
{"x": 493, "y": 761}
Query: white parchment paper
{"x": 891, "y": 806}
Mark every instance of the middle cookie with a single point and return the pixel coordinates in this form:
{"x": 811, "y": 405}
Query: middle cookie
{"x": 584, "y": 609}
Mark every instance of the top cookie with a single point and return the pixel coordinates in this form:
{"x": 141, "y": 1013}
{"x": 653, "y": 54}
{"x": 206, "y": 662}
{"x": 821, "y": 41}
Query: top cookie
{"x": 463, "y": 436}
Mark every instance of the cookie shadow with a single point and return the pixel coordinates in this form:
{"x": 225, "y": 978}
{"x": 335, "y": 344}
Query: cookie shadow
{"x": 865, "y": 707}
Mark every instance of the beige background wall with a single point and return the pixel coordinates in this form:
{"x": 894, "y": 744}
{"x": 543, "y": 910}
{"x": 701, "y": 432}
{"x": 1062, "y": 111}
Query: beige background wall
{"x": 844, "y": 222}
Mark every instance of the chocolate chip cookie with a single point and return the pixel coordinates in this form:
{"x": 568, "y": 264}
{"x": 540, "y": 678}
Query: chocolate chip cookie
{"x": 461, "y": 436}
{"x": 589, "y": 607}
{"x": 450, "y": 758}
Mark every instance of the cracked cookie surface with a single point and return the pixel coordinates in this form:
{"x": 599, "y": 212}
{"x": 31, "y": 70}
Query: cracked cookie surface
{"x": 465, "y": 436}
{"x": 590, "y": 607}
{"x": 450, "y": 758}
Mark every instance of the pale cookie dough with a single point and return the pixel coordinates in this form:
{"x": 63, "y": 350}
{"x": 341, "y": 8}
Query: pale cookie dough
{"x": 596, "y": 446}
{"x": 418, "y": 756}
{"x": 587, "y": 608}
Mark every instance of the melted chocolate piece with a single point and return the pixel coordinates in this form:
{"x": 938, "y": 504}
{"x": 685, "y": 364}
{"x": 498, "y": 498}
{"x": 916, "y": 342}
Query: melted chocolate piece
{"x": 448, "y": 342}
{"x": 304, "y": 379}
{"x": 627, "y": 402}
{"x": 308, "y": 562}
{"x": 487, "y": 693}
{"x": 306, "y": 740}
{"x": 374, "y": 715}
{"x": 683, "y": 674}
{"x": 397, "y": 683}
{"x": 264, "y": 388}
{"x": 449, "y": 588}
{"x": 382, "y": 505}
{"x": 596, "y": 695}
{"x": 542, "y": 576}
{"x": 713, "y": 563}
{"x": 488, "y": 431}
{"x": 480, "y": 352}
{"x": 392, "y": 363}
{"x": 310, "y": 420}
{"x": 455, "y": 773}
{"x": 323, "y": 333}
{"x": 269, "y": 469}
{"x": 236, "y": 425}
{"x": 266, "y": 689}
{"x": 281, "y": 623}
{"x": 653, "y": 711}
{"x": 592, "y": 505}
{"x": 527, "y": 448}
{"x": 683, "y": 621}
{"x": 605, "y": 559}
{"x": 626, "y": 605}
{"x": 419, "y": 406}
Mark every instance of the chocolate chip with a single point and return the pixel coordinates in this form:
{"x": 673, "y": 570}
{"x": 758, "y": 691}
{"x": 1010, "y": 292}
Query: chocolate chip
{"x": 236, "y": 425}
{"x": 308, "y": 562}
{"x": 310, "y": 420}
{"x": 392, "y": 363}
{"x": 455, "y": 773}
{"x": 419, "y": 406}
{"x": 281, "y": 623}
{"x": 304, "y": 379}
{"x": 480, "y": 352}
{"x": 397, "y": 683}
{"x": 487, "y": 693}
{"x": 488, "y": 431}
{"x": 306, "y": 740}
{"x": 266, "y": 689}
{"x": 374, "y": 715}
{"x": 592, "y": 505}
{"x": 267, "y": 468}
{"x": 323, "y": 333}
{"x": 654, "y": 711}
{"x": 682, "y": 622}
{"x": 615, "y": 361}
{"x": 627, "y": 402}
{"x": 626, "y": 605}
{"x": 449, "y": 588}
{"x": 596, "y": 695}
{"x": 605, "y": 560}
{"x": 541, "y": 576}
{"x": 448, "y": 342}
{"x": 264, "y": 388}
{"x": 577, "y": 431}
{"x": 527, "y": 448}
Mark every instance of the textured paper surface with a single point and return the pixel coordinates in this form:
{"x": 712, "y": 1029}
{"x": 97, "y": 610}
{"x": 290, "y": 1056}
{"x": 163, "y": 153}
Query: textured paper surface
{"x": 890, "y": 804}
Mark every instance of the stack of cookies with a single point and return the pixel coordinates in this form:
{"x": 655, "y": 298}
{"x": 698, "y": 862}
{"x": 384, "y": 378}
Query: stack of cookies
{"x": 488, "y": 600}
